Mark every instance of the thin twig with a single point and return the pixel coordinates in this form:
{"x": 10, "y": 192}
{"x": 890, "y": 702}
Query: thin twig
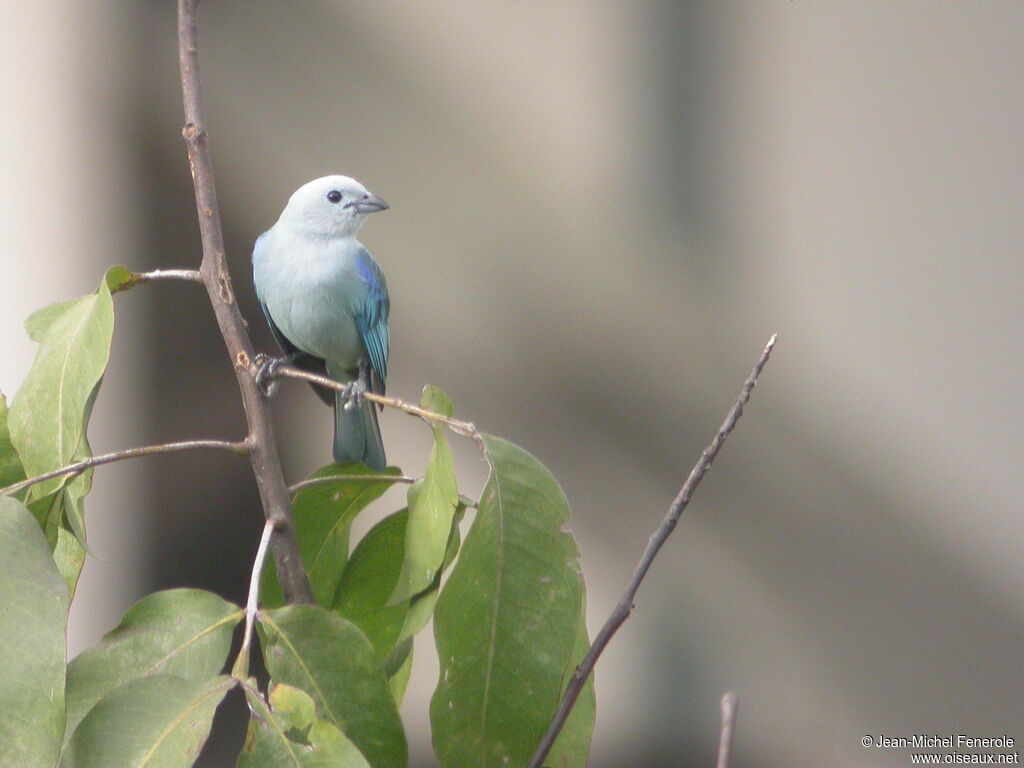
{"x": 251, "y": 604}
{"x": 464, "y": 428}
{"x": 728, "y": 723}
{"x": 193, "y": 275}
{"x": 668, "y": 524}
{"x": 136, "y": 278}
{"x": 240, "y": 448}
{"x": 293, "y": 489}
{"x": 266, "y": 463}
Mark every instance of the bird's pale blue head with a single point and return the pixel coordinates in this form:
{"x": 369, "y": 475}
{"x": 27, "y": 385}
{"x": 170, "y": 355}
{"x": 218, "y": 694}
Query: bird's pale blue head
{"x": 332, "y": 206}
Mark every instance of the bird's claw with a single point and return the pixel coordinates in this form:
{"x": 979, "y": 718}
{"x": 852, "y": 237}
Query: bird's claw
{"x": 353, "y": 394}
{"x": 266, "y": 371}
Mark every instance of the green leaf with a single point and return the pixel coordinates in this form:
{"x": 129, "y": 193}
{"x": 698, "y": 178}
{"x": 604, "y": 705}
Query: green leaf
{"x": 159, "y": 721}
{"x": 288, "y": 733}
{"x": 62, "y": 517}
{"x": 323, "y": 515}
{"x": 370, "y": 577}
{"x": 183, "y": 632}
{"x": 73, "y": 503}
{"x": 39, "y": 322}
{"x": 506, "y": 623}
{"x": 421, "y": 607}
{"x": 68, "y": 552}
{"x": 79, "y": 486}
{"x": 63, "y": 511}
{"x": 11, "y": 470}
{"x": 69, "y": 555}
{"x": 49, "y": 415}
{"x": 572, "y": 746}
{"x": 434, "y": 399}
{"x": 33, "y": 619}
{"x": 48, "y": 512}
{"x": 398, "y": 668}
{"x": 432, "y": 502}
{"x": 331, "y": 660}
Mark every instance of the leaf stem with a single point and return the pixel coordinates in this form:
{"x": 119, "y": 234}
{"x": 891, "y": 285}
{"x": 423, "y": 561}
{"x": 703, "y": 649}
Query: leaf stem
{"x": 624, "y": 607}
{"x": 241, "y": 448}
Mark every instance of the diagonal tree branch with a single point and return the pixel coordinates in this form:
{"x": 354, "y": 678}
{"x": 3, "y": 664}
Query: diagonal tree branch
{"x": 266, "y": 463}
{"x": 624, "y": 607}
{"x": 241, "y": 448}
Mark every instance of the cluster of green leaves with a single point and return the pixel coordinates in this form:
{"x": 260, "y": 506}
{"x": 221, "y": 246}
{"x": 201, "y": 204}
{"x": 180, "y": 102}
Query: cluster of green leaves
{"x": 508, "y": 619}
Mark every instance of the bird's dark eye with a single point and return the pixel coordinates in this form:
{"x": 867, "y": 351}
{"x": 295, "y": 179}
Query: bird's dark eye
{"x": 334, "y": 196}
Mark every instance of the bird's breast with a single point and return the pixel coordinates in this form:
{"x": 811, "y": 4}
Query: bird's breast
{"x": 312, "y": 304}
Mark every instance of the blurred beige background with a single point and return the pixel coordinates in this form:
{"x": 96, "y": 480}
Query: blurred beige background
{"x": 600, "y": 212}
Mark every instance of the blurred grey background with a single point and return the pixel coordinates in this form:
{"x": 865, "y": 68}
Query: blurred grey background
{"x": 600, "y": 212}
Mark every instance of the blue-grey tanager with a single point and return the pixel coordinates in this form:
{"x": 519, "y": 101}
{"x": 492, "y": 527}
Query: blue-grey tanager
{"x": 327, "y": 304}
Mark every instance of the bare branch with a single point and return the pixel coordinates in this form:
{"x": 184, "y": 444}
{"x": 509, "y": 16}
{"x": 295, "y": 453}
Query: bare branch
{"x": 464, "y": 428}
{"x": 241, "y": 448}
{"x": 266, "y": 463}
{"x": 293, "y": 489}
{"x": 624, "y": 607}
{"x": 190, "y": 275}
{"x": 728, "y": 724}
{"x": 193, "y": 275}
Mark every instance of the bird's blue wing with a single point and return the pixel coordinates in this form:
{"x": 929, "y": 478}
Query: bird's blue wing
{"x": 372, "y": 318}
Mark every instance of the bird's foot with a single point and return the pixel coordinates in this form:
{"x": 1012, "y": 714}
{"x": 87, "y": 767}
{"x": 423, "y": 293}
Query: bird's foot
{"x": 353, "y": 394}
{"x": 266, "y": 371}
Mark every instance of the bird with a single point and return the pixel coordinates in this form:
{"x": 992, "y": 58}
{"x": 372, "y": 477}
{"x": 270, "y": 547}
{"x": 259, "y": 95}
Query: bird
{"x": 326, "y": 300}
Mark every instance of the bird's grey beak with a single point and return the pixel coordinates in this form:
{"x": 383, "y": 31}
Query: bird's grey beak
{"x": 369, "y": 204}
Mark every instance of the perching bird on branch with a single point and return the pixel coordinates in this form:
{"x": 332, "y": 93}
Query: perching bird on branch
{"x": 327, "y": 303}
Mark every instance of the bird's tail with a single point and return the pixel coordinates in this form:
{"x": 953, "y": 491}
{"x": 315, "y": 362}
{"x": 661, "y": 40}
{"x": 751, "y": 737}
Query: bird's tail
{"x": 357, "y": 434}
